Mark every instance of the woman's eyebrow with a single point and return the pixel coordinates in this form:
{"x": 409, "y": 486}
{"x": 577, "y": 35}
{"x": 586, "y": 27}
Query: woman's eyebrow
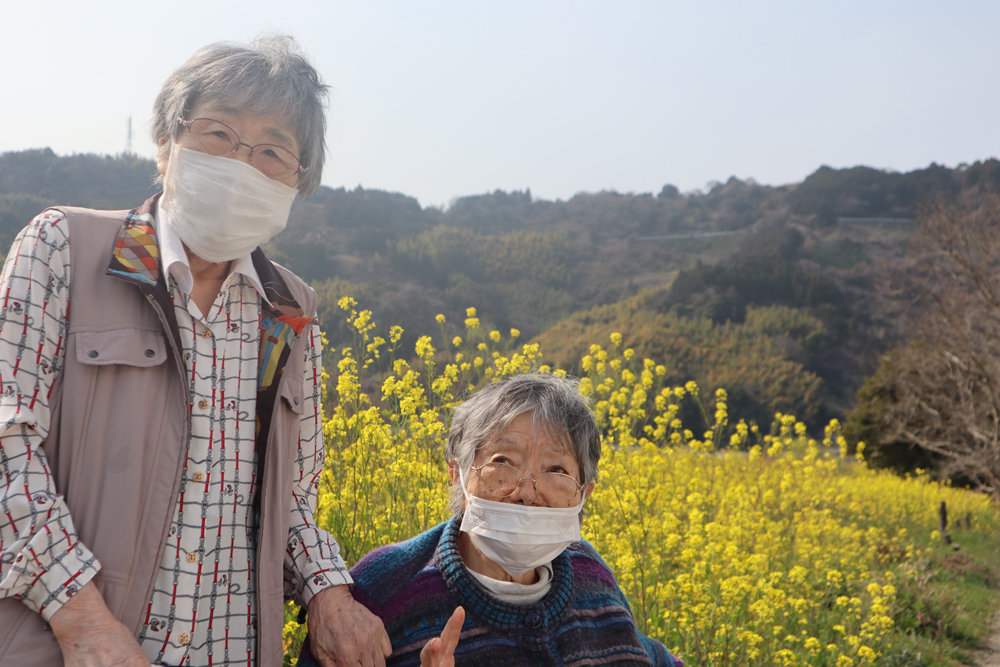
{"x": 223, "y": 108}
{"x": 559, "y": 450}
{"x": 280, "y": 136}
{"x": 493, "y": 444}
{"x": 274, "y": 132}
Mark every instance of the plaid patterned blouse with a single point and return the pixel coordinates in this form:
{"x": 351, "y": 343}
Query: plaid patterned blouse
{"x": 203, "y": 607}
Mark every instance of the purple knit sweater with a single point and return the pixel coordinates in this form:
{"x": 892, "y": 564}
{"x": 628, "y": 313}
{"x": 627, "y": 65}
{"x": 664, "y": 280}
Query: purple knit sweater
{"x": 583, "y": 621}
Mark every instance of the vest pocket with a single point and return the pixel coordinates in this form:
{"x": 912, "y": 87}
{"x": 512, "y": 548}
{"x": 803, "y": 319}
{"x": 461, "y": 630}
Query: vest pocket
{"x": 123, "y": 415}
{"x": 291, "y": 390}
{"x": 132, "y": 347}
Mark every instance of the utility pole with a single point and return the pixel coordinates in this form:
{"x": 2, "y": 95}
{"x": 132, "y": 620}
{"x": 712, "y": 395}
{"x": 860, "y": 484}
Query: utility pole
{"x": 128, "y": 137}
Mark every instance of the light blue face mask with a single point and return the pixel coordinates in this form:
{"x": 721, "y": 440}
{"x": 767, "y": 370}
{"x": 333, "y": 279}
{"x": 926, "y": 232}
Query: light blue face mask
{"x": 519, "y": 538}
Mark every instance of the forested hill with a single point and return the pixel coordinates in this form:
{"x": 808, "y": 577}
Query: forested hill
{"x": 784, "y": 271}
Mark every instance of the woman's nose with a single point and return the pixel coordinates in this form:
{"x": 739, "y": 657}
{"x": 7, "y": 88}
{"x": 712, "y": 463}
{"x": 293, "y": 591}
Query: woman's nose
{"x": 243, "y": 152}
{"x": 525, "y": 493}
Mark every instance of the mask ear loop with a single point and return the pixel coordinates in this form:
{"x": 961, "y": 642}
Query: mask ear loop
{"x": 465, "y": 491}
{"x": 583, "y": 499}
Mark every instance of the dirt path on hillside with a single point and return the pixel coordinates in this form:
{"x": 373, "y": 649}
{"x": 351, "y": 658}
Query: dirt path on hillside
{"x": 990, "y": 656}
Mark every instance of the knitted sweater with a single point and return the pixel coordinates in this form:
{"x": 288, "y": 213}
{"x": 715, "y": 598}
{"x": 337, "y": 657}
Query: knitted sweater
{"x": 584, "y": 620}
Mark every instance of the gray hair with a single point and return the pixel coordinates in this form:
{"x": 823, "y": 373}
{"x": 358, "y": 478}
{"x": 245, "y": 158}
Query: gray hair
{"x": 267, "y": 76}
{"x": 556, "y": 406}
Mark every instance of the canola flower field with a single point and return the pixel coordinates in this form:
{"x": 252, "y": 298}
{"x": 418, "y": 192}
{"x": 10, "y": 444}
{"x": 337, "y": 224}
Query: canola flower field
{"x": 766, "y": 549}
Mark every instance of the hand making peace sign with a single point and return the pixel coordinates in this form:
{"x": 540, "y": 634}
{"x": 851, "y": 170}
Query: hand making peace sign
{"x": 440, "y": 651}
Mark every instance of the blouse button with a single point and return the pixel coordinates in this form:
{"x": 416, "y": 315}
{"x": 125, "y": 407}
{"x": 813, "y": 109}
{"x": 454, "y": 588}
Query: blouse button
{"x": 198, "y": 477}
{"x": 184, "y": 639}
{"x": 192, "y": 557}
{"x": 203, "y": 404}
{"x": 206, "y": 333}
{"x": 533, "y": 621}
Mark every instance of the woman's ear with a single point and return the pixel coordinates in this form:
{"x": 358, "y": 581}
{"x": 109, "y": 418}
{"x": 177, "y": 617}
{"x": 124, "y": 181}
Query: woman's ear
{"x": 590, "y": 489}
{"x": 162, "y": 155}
{"x": 453, "y": 471}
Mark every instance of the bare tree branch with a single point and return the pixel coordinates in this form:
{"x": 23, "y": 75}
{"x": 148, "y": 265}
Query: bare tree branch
{"x": 945, "y": 388}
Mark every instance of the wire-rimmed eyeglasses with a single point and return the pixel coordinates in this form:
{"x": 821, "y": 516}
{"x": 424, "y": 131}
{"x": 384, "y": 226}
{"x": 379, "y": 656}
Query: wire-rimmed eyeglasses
{"x": 216, "y": 138}
{"x": 501, "y": 479}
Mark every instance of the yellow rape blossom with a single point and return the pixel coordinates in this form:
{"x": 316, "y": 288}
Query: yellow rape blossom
{"x": 765, "y": 552}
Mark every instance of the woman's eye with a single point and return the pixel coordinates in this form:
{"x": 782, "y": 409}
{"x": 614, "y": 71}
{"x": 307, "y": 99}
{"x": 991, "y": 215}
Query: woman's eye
{"x": 558, "y": 469}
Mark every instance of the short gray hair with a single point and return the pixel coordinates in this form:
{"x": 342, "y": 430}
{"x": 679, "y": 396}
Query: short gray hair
{"x": 556, "y": 406}
{"x": 267, "y": 76}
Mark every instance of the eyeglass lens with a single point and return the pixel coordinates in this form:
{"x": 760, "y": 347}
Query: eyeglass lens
{"x": 501, "y": 480}
{"x": 216, "y": 138}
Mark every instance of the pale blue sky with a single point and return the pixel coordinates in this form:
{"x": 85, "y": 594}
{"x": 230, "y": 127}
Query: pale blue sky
{"x": 439, "y": 99}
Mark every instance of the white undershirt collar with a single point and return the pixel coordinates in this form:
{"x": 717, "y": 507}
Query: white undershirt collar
{"x": 512, "y": 592}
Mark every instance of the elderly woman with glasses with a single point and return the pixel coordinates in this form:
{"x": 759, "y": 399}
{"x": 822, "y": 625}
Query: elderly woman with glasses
{"x": 508, "y": 581}
{"x": 161, "y": 439}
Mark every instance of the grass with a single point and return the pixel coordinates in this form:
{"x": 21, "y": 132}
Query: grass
{"x": 944, "y": 613}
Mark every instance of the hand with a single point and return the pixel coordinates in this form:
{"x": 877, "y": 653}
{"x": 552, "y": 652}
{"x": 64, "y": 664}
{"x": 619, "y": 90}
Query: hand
{"x": 440, "y": 651}
{"x": 343, "y": 632}
{"x": 90, "y": 636}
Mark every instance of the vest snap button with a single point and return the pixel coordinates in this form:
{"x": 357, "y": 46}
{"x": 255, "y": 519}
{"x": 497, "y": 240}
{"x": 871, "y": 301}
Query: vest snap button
{"x": 92, "y": 354}
{"x": 533, "y": 621}
{"x": 150, "y": 353}
{"x": 295, "y": 400}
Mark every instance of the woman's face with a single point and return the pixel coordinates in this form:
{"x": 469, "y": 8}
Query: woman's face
{"x": 532, "y": 452}
{"x": 272, "y": 129}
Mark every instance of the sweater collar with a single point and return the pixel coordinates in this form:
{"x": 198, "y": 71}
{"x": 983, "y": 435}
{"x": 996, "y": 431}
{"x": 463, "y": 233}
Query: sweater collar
{"x": 540, "y": 617}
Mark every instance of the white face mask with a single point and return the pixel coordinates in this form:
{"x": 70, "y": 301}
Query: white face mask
{"x": 222, "y": 208}
{"x": 519, "y": 538}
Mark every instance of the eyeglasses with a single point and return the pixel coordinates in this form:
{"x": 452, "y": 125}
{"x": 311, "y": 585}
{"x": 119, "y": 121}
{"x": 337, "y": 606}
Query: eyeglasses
{"x": 216, "y": 138}
{"x": 502, "y": 479}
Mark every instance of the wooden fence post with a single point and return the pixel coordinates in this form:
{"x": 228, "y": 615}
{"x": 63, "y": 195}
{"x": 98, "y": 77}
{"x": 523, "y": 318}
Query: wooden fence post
{"x": 943, "y": 522}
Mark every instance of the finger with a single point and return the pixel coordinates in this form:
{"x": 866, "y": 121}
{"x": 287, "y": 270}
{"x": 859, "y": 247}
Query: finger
{"x": 452, "y": 631}
{"x": 384, "y": 643}
{"x": 378, "y": 659}
{"x": 324, "y": 659}
{"x": 429, "y": 652}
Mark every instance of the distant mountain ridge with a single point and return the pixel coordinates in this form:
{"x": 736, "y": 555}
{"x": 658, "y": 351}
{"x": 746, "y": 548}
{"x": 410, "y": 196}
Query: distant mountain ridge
{"x": 529, "y": 264}
{"x": 122, "y": 181}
